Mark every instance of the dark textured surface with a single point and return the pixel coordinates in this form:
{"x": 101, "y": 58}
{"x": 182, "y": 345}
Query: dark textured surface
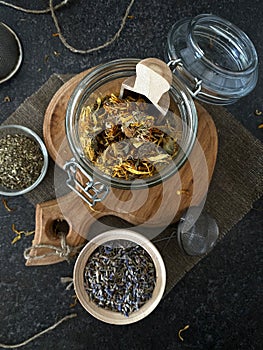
{"x": 220, "y": 297}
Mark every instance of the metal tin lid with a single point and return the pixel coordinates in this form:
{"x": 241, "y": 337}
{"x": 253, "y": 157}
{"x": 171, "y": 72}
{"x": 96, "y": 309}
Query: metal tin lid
{"x": 215, "y": 59}
{"x": 10, "y": 53}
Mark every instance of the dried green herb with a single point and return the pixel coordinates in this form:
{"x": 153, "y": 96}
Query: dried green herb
{"x": 21, "y": 161}
{"x": 125, "y": 139}
{"x": 120, "y": 279}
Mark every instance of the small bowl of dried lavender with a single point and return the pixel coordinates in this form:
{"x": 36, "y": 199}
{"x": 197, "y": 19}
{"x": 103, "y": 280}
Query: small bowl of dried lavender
{"x": 23, "y": 160}
{"x": 119, "y": 277}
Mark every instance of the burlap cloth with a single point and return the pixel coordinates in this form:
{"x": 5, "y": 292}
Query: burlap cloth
{"x": 236, "y": 184}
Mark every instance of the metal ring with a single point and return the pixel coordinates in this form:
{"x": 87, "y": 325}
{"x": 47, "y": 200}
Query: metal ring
{"x": 19, "y": 61}
{"x": 91, "y": 192}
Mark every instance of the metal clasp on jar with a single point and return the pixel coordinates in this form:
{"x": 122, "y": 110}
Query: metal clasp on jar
{"x": 173, "y": 64}
{"x": 92, "y": 192}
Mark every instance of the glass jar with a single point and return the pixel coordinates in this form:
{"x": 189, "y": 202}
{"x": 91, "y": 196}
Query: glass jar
{"x": 104, "y": 80}
{"x": 213, "y": 58}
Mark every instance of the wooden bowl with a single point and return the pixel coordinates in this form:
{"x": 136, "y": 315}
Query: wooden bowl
{"x": 113, "y": 317}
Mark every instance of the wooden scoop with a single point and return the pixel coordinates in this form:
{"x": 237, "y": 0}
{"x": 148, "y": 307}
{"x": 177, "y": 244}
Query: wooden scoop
{"x": 153, "y": 80}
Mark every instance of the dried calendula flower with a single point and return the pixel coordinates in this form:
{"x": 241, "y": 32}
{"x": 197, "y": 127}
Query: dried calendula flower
{"x": 75, "y": 301}
{"x": 19, "y": 234}
{"x": 260, "y": 126}
{"x": 182, "y": 330}
{"x": 4, "y": 201}
{"x": 182, "y": 192}
{"x": 126, "y": 139}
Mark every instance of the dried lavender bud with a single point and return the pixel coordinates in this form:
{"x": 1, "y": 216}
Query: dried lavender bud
{"x": 120, "y": 279}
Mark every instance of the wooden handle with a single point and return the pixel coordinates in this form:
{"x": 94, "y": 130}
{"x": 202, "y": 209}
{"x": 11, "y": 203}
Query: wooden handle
{"x": 68, "y": 209}
{"x": 79, "y": 216}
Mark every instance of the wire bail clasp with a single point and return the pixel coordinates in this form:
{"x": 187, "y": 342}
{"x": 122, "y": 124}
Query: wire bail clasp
{"x": 92, "y": 192}
{"x": 197, "y": 83}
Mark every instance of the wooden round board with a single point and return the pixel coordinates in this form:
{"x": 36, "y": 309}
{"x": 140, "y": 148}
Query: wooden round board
{"x": 156, "y": 206}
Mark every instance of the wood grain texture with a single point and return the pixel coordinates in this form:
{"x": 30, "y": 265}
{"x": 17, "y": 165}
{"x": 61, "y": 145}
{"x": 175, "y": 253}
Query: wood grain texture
{"x": 156, "y": 206}
{"x": 153, "y": 80}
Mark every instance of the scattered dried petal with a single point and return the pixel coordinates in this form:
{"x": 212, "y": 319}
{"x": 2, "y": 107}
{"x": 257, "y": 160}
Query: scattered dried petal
{"x": 258, "y": 112}
{"x": 7, "y": 99}
{"x": 260, "y": 126}
{"x": 74, "y": 302}
{"x": 19, "y": 234}
{"x": 4, "y": 201}
{"x": 182, "y": 330}
{"x": 15, "y": 230}
{"x": 159, "y": 157}
{"x": 180, "y": 192}
{"x": 29, "y": 233}
{"x": 17, "y": 238}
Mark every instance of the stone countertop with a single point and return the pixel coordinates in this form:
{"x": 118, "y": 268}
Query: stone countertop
{"x": 219, "y": 298}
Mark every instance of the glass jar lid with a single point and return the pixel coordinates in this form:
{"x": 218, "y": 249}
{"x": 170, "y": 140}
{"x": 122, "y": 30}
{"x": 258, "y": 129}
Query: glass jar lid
{"x": 213, "y": 58}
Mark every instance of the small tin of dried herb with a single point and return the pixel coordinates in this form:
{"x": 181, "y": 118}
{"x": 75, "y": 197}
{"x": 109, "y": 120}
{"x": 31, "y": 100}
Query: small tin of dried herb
{"x": 21, "y": 161}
